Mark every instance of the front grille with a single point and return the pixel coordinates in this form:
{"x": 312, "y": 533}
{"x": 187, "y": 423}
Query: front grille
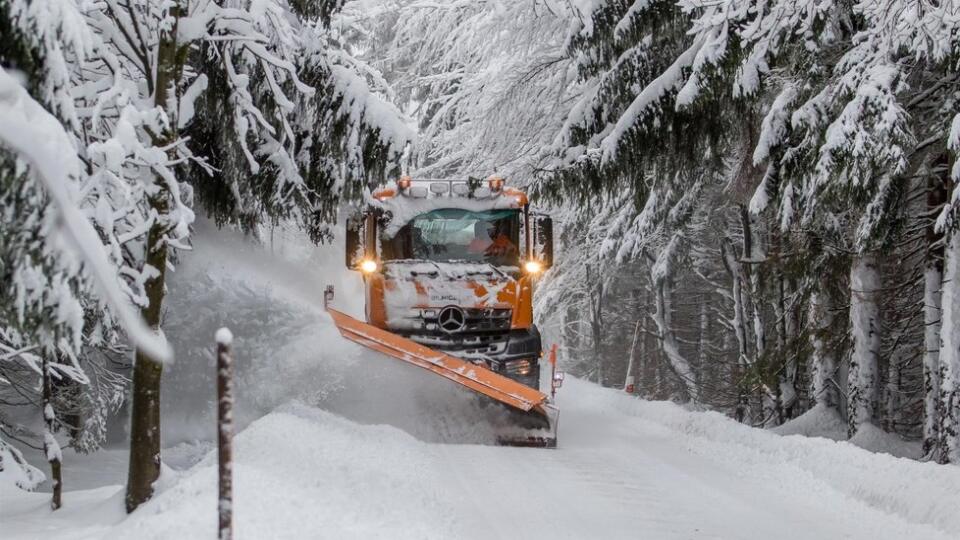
{"x": 478, "y": 320}
{"x": 485, "y": 331}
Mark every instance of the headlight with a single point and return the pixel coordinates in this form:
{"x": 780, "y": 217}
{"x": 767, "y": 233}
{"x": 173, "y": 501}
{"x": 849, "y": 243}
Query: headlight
{"x": 368, "y": 266}
{"x": 532, "y": 267}
{"x": 519, "y": 367}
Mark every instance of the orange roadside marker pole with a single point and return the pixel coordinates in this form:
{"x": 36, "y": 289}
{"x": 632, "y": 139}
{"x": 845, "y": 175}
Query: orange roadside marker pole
{"x": 553, "y": 371}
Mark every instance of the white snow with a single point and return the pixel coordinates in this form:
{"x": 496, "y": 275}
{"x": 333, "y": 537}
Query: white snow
{"x": 51, "y": 447}
{"x": 16, "y": 472}
{"x": 189, "y": 98}
{"x": 224, "y": 336}
{"x": 820, "y": 421}
{"x": 411, "y": 284}
{"x": 774, "y": 128}
{"x": 626, "y": 22}
{"x": 671, "y": 79}
{"x": 38, "y": 138}
{"x": 626, "y": 468}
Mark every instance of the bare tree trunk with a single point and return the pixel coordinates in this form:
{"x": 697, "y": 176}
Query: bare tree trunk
{"x": 767, "y": 399}
{"x": 739, "y": 327}
{"x": 598, "y": 332}
{"x": 144, "y": 468}
{"x": 668, "y": 343}
{"x": 51, "y": 447}
{"x": 948, "y": 450}
{"x": 823, "y": 361}
{"x": 796, "y": 361}
{"x": 750, "y": 256}
{"x": 702, "y": 343}
{"x": 892, "y": 402}
{"x": 629, "y": 383}
{"x": 225, "y": 432}
{"x": 145, "y": 409}
{"x": 785, "y": 391}
{"x": 596, "y": 323}
{"x": 646, "y": 376}
{"x": 863, "y": 379}
{"x": 932, "y": 284}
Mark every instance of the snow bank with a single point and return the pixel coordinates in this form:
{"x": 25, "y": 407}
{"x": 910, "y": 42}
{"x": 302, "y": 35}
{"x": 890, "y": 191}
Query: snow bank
{"x": 299, "y": 456}
{"x": 298, "y": 469}
{"x": 15, "y": 472}
{"x": 820, "y": 421}
{"x": 870, "y": 437}
{"x": 919, "y": 493}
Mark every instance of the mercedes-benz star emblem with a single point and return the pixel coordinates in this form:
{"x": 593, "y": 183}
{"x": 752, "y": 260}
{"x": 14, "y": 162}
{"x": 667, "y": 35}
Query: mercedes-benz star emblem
{"x": 451, "y": 319}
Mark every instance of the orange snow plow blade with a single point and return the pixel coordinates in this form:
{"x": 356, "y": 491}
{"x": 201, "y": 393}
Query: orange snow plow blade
{"x": 477, "y": 378}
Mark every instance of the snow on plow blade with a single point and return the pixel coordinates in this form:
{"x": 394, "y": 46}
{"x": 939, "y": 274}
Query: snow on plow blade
{"x": 528, "y": 405}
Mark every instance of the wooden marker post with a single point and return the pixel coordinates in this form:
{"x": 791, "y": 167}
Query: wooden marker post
{"x": 225, "y": 432}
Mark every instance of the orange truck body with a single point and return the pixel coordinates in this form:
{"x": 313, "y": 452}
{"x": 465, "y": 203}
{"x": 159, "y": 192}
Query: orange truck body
{"x": 469, "y": 321}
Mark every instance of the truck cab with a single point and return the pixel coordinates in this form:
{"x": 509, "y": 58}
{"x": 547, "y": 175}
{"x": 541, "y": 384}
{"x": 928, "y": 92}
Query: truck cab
{"x": 452, "y": 264}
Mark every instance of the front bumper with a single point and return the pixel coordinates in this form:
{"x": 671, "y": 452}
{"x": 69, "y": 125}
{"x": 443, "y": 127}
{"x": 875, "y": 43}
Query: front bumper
{"x": 501, "y": 352}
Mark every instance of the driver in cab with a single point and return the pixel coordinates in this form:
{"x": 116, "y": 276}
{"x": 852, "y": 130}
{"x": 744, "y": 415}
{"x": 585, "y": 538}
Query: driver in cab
{"x": 489, "y": 241}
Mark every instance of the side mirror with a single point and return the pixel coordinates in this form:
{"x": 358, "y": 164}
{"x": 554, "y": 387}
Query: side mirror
{"x": 354, "y": 245}
{"x": 543, "y": 240}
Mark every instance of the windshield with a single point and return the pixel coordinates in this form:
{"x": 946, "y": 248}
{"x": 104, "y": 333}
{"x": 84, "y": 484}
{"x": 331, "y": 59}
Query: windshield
{"x": 452, "y": 234}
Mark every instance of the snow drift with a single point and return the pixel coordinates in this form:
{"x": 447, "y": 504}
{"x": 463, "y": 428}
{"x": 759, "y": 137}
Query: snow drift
{"x": 625, "y": 468}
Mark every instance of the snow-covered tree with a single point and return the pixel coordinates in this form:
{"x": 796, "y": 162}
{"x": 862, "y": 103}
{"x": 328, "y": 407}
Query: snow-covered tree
{"x": 823, "y": 118}
{"x": 139, "y": 93}
{"x": 489, "y": 82}
{"x": 61, "y": 292}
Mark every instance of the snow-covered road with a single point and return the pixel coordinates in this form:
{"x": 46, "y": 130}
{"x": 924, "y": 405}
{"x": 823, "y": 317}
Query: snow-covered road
{"x": 625, "y": 469}
{"x": 620, "y": 476}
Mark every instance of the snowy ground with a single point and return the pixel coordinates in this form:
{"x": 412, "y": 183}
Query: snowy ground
{"x": 340, "y": 443}
{"x": 625, "y": 469}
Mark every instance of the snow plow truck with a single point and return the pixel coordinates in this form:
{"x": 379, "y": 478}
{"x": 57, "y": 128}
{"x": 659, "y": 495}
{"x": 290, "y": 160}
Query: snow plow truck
{"x": 449, "y": 269}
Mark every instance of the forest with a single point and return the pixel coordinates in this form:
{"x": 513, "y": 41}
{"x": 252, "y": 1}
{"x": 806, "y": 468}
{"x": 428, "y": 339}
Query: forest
{"x": 755, "y": 201}
{"x": 758, "y": 197}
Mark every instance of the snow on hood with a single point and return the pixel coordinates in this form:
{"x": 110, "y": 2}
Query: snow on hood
{"x": 422, "y": 283}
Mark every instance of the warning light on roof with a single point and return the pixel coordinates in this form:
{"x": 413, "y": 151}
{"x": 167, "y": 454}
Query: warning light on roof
{"x": 496, "y": 183}
{"x": 404, "y": 182}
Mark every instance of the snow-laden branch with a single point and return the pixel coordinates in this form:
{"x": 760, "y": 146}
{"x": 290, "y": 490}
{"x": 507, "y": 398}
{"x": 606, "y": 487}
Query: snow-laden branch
{"x": 35, "y": 136}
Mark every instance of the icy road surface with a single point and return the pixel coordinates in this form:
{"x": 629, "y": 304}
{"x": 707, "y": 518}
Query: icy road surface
{"x": 625, "y": 469}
